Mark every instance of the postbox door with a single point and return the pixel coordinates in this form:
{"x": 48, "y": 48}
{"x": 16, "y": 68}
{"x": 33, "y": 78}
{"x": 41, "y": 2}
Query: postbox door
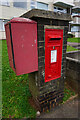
{"x": 21, "y": 36}
{"x": 53, "y": 54}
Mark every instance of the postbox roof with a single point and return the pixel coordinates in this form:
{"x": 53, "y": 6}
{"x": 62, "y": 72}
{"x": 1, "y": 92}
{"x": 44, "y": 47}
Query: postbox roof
{"x": 21, "y": 20}
{"x": 47, "y": 14}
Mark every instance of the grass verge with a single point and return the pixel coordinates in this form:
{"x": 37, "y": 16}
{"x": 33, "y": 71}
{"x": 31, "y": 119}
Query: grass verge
{"x": 70, "y": 48}
{"x": 0, "y": 79}
{"x": 76, "y": 40}
{"x": 15, "y": 91}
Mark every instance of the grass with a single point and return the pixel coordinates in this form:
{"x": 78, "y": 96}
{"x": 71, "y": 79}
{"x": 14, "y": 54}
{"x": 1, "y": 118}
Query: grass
{"x": 70, "y": 48}
{"x": 0, "y": 79}
{"x": 15, "y": 92}
{"x": 68, "y": 92}
{"x": 76, "y": 40}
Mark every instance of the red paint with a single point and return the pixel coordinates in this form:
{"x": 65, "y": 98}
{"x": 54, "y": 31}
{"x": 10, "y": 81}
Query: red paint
{"x": 21, "y": 20}
{"x": 24, "y": 39}
{"x": 53, "y": 47}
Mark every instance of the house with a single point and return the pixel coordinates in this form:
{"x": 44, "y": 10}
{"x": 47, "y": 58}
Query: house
{"x": 75, "y": 24}
{"x": 11, "y": 8}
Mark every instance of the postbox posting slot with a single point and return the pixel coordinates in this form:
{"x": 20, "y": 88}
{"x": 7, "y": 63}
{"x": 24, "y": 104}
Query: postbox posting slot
{"x": 54, "y": 37}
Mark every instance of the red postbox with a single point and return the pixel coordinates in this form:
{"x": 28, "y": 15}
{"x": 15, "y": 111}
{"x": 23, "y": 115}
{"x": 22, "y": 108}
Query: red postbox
{"x": 21, "y": 36}
{"x": 53, "y": 53}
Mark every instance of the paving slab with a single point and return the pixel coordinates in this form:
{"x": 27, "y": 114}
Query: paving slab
{"x": 75, "y": 45}
{"x": 68, "y": 110}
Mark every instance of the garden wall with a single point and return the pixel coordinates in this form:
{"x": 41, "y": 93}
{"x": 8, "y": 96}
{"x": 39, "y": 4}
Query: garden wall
{"x": 73, "y": 69}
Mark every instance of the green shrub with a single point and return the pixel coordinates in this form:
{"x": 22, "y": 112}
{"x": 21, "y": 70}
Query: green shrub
{"x": 70, "y": 35}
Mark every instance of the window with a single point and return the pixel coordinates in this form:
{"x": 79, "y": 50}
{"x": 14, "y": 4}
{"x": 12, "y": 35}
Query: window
{"x": 55, "y": 9}
{"x": 73, "y": 14}
{"x": 33, "y": 4}
{"x": 59, "y": 9}
{"x": 42, "y": 6}
{"x": 75, "y": 29}
{"x": 4, "y": 2}
{"x": 20, "y": 4}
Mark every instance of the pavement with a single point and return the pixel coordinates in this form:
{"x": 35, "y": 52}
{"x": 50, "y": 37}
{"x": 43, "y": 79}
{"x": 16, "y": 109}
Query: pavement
{"x": 75, "y": 45}
{"x": 68, "y": 110}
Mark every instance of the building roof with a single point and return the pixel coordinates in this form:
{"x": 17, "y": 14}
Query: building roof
{"x": 47, "y": 14}
{"x": 63, "y": 3}
{"x": 76, "y": 9}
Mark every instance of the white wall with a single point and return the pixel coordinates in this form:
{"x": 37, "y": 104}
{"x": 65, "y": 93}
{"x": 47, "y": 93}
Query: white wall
{"x": 9, "y": 12}
{"x": 2, "y": 35}
{"x": 77, "y": 34}
{"x": 76, "y": 20}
